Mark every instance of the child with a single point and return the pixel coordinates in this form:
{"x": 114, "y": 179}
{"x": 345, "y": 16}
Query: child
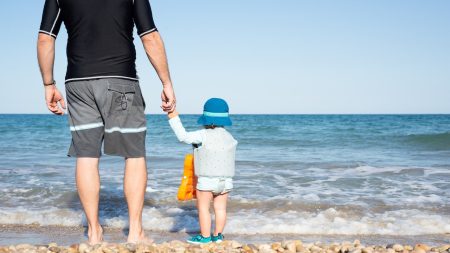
{"x": 214, "y": 161}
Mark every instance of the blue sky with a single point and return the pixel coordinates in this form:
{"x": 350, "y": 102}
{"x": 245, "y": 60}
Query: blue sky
{"x": 266, "y": 56}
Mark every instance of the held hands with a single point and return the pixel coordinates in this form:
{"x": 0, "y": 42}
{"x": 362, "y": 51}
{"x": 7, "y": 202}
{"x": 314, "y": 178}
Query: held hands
{"x": 173, "y": 114}
{"x": 52, "y": 97}
{"x": 168, "y": 99}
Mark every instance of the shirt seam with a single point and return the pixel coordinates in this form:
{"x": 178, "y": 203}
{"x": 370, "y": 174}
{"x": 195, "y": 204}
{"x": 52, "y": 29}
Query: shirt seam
{"x": 56, "y": 20}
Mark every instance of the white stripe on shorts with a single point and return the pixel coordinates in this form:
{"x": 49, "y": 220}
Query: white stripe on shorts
{"x": 126, "y": 130}
{"x": 86, "y": 126}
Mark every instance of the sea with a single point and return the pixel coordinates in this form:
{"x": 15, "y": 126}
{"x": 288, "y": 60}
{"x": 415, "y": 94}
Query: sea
{"x": 295, "y": 174}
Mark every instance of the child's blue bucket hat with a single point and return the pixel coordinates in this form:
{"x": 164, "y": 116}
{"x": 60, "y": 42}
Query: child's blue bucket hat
{"x": 215, "y": 112}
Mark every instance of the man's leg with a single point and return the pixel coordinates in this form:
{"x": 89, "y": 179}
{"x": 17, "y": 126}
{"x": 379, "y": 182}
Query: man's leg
{"x": 135, "y": 184}
{"x": 88, "y": 185}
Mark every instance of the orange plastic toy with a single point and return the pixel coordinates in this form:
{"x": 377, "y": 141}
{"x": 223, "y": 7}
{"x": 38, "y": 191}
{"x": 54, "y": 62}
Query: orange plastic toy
{"x": 188, "y": 181}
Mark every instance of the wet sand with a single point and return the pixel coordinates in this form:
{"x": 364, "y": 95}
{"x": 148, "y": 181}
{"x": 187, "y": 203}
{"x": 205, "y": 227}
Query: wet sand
{"x": 37, "y": 235}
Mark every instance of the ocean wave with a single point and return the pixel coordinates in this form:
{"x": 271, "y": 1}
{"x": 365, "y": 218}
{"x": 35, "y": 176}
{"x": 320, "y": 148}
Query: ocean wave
{"x": 325, "y": 222}
{"x": 331, "y": 221}
{"x": 436, "y": 141}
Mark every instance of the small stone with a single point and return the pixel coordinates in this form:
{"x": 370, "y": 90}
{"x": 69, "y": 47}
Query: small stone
{"x": 235, "y": 245}
{"x": 54, "y": 249}
{"x": 264, "y": 246}
{"x": 140, "y": 248}
{"x": 269, "y": 250}
{"x": 378, "y": 249}
{"x": 130, "y": 247}
{"x": 335, "y": 248}
{"x": 367, "y": 250}
{"x": 344, "y": 248}
{"x": 319, "y": 244}
{"x": 397, "y": 247}
{"x": 291, "y": 246}
{"x": 408, "y": 247}
{"x": 356, "y": 242}
{"x": 123, "y": 250}
{"x": 247, "y": 249}
{"x": 418, "y": 250}
{"x": 208, "y": 247}
{"x": 356, "y": 251}
{"x": 198, "y": 250}
{"x": 422, "y": 246}
{"x": 299, "y": 248}
{"x": 83, "y": 247}
{"x": 42, "y": 249}
{"x": 390, "y": 250}
{"x": 97, "y": 250}
{"x": 74, "y": 246}
{"x": 443, "y": 248}
{"x": 152, "y": 248}
{"x": 276, "y": 246}
{"x": 107, "y": 250}
{"x": 110, "y": 249}
{"x": 4, "y": 250}
{"x": 253, "y": 247}
{"x": 53, "y": 244}
{"x": 70, "y": 250}
{"x": 315, "y": 248}
{"x": 179, "y": 250}
{"x": 284, "y": 243}
{"x": 308, "y": 245}
{"x": 176, "y": 243}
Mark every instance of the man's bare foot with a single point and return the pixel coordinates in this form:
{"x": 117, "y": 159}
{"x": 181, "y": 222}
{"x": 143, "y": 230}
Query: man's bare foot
{"x": 95, "y": 235}
{"x": 139, "y": 238}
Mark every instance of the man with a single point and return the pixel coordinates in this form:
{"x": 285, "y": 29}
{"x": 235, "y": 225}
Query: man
{"x": 105, "y": 103}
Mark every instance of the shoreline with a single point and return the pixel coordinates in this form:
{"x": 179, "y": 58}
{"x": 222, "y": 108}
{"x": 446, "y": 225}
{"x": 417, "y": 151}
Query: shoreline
{"x": 43, "y": 235}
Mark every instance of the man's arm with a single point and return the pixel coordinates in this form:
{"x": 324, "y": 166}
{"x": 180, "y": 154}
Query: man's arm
{"x": 156, "y": 53}
{"x": 50, "y": 25}
{"x": 46, "y": 58}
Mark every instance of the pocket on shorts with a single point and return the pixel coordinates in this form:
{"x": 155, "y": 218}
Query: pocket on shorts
{"x": 139, "y": 98}
{"x": 121, "y": 95}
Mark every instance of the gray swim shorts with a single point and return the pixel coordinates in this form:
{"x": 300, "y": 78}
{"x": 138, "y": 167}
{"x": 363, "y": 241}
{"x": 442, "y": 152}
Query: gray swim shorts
{"x": 109, "y": 110}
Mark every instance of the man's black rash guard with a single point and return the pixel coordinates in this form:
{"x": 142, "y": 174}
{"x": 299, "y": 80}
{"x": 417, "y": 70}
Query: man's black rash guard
{"x": 100, "y": 41}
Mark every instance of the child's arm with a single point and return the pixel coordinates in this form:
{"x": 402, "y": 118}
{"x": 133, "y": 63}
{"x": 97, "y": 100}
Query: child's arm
{"x": 194, "y": 137}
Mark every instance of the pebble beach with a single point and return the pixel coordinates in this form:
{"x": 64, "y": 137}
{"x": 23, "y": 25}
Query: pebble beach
{"x": 176, "y": 246}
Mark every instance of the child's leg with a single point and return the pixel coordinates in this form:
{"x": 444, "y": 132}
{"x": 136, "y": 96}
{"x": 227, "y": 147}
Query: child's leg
{"x": 203, "y": 201}
{"x": 220, "y": 211}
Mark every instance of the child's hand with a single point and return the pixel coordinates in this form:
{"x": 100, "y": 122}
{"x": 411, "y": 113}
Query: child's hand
{"x": 172, "y": 114}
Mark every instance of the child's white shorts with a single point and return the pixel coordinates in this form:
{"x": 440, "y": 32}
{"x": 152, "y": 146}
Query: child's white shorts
{"x": 216, "y": 185}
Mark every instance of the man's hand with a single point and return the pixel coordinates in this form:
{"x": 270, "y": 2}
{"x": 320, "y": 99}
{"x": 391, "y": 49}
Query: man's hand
{"x": 52, "y": 97}
{"x": 168, "y": 99}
